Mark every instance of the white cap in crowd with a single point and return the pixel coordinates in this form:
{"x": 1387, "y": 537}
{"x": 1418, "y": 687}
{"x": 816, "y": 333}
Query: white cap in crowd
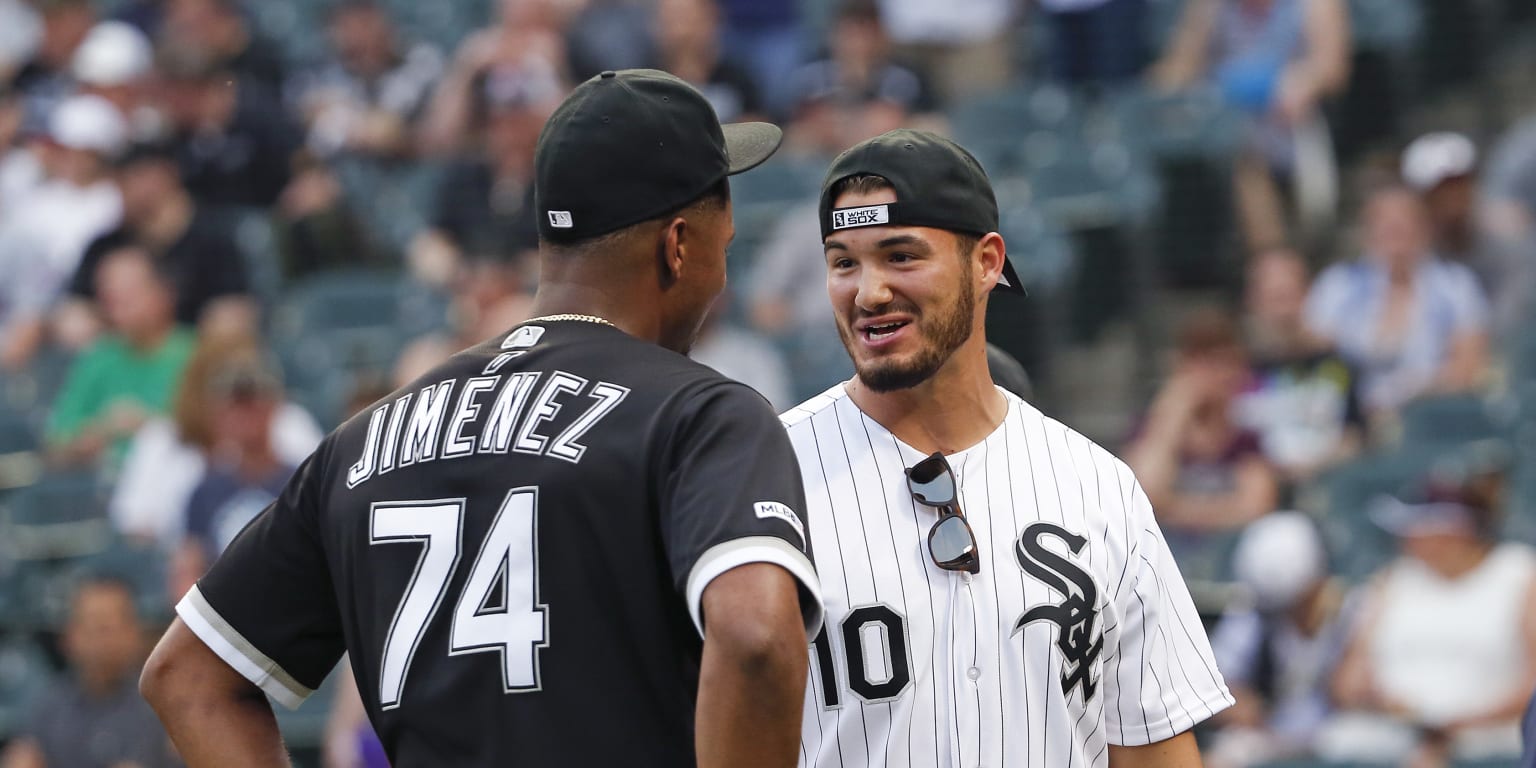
{"x": 114, "y": 53}
{"x": 1437, "y": 157}
{"x": 1278, "y": 557}
{"x": 88, "y": 123}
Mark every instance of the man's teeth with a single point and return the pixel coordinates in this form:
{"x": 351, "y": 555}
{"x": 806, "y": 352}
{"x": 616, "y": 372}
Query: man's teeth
{"x": 881, "y": 331}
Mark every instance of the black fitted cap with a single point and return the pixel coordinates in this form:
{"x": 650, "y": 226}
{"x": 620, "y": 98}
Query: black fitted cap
{"x": 632, "y": 145}
{"x": 938, "y": 184}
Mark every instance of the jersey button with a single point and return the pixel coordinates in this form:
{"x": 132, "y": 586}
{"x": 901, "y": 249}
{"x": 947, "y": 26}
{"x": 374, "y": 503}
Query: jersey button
{"x": 973, "y": 673}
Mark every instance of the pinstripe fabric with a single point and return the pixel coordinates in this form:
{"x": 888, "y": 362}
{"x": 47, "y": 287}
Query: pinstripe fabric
{"x": 927, "y": 668}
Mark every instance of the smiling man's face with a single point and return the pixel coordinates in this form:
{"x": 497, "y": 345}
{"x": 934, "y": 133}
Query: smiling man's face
{"x": 904, "y": 297}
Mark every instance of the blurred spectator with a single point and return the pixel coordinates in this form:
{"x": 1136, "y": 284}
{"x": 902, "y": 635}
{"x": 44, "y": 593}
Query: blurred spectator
{"x": 610, "y": 34}
{"x": 1509, "y": 183}
{"x": 367, "y": 96}
{"x": 490, "y": 295}
{"x": 788, "y": 302}
{"x": 192, "y": 247}
{"x": 1422, "y": 685}
{"x": 95, "y": 717}
{"x": 316, "y": 230}
{"x": 1411, "y": 323}
{"x": 170, "y": 454}
{"x": 1443, "y": 169}
{"x": 350, "y": 741}
{"x": 1303, "y": 399}
{"x": 766, "y": 35}
{"x": 1096, "y": 42}
{"x": 115, "y": 62}
{"x": 857, "y": 91}
{"x": 21, "y": 168}
{"x": 688, "y": 42}
{"x": 740, "y": 354}
{"x": 484, "y": 206}
{"x": 1201, "y": 470}
{"x": 1277, "y": 60}
{"x": 44, "y": 81}
{"x": 21, "y": 32}
{"x": 234, "y": 140}
{"x": 43, "y": 236}
{"x": 217, "y": 31}
{"x": 522, "y": 57}
{"x": 130, "y": 373}
{"x": 1278, "y": 648}
{"x": 243, "y": 472}
{"x": 145, "y": 15}
{"x": 963, "y": 50}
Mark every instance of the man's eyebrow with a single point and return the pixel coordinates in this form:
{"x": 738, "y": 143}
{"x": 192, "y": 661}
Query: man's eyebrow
{"x": 895, "y": 240}
{"x": 830, "y": 244}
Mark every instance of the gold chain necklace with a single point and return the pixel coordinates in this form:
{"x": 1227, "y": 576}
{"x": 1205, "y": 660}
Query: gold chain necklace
{"x": 557, "y": 318}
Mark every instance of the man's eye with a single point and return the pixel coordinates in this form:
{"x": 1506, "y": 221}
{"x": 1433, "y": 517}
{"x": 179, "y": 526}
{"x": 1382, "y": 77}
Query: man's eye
{"x": 842, "y": 263}
{"x": 899, "y": 257}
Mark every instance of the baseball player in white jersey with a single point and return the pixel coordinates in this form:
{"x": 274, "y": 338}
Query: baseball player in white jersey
{"x": 997, "y": 591}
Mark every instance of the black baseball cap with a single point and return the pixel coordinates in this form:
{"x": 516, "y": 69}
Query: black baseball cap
{"x": 632, "y": 145}
{"x": 938, "y": 184}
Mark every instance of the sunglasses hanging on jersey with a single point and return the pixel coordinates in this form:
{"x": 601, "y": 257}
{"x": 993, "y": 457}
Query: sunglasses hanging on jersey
{"x": 951, "y": 542}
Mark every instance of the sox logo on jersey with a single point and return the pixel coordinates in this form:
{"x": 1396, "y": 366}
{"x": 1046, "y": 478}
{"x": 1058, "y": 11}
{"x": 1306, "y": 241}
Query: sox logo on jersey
{"x": 1076, "y": 616}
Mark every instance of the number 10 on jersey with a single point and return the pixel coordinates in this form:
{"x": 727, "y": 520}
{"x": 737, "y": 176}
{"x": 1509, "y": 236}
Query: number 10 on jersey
{"x": 516, "y": 626}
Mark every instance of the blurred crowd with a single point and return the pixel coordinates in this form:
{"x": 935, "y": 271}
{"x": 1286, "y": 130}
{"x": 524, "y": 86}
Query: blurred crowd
{"x": 1307, "y": 226}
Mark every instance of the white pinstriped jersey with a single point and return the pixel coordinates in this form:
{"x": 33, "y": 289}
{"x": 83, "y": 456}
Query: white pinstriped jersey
{"x": 1078, "y": 633}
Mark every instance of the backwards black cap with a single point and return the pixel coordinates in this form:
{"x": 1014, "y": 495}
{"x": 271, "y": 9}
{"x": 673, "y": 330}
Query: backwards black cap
{"x": 938, "y": 184}
{"x": 632, "y": 145}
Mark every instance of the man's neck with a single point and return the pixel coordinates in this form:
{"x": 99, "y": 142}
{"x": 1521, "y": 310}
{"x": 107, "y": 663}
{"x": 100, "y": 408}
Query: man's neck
{"x": 610, "y": 304}
{"x": 953, "y": 410}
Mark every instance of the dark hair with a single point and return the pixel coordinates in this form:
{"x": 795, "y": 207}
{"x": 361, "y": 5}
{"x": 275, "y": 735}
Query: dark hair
{"x": 102, "y": 577}
{"x": 867, "y": 11}
{"x": 860, "y": 183}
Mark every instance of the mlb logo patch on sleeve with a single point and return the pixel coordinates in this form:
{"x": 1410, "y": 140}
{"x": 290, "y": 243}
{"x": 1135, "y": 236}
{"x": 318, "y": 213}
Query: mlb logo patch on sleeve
{"x": 773, "y": 509}
{"x": 560, "y": 219}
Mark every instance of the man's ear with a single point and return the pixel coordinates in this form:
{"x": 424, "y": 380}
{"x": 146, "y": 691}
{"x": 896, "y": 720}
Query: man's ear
{"x": 671, "y": 251}
{"x": 991, "y": 253}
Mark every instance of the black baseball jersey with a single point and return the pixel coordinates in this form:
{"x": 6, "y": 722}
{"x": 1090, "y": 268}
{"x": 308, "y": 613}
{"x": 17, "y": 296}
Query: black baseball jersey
{"x": 513, "y": 548}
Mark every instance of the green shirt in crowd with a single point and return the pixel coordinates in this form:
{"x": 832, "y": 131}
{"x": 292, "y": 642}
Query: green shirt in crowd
{"x": 111, "y": 372}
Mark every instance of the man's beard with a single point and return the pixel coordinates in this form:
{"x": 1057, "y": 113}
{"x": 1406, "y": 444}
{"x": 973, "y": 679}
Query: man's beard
{"x": 941, "y": 338}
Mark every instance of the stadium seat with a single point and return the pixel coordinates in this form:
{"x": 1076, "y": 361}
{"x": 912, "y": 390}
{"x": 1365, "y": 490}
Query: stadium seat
{"x": 1451, "y": 419}
{"x": 62, "y": 515}
{"x": 20, "y": 450}
{"x": 784, "y": 178}
{"x": 1350, "y": 490}
{"x": 1169, "y": 124}
{"x": 333, "y": 328}
{"x": 24, "y": 674}
{"x": 992, "y": 125}
{"x": 1392, "y": 25}
{"x": 1081, "y": 185}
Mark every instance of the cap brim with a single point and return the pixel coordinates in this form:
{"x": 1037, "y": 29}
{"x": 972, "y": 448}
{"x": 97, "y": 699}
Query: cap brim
{"x": 1403, "y": 520}
{"x": 747, "y": 145}
{"x": 1010, "y": 278}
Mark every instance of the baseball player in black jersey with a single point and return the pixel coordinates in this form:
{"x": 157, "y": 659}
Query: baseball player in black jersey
{"x": 569, "y": 545}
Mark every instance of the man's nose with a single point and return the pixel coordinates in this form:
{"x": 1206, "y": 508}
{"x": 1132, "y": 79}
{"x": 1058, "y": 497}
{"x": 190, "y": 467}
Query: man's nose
{"x": 874, "y": 290}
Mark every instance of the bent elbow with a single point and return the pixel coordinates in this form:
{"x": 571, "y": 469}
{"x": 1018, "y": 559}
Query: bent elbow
{"x": 154, "y": 679}
{"x": 763, "y": 646}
